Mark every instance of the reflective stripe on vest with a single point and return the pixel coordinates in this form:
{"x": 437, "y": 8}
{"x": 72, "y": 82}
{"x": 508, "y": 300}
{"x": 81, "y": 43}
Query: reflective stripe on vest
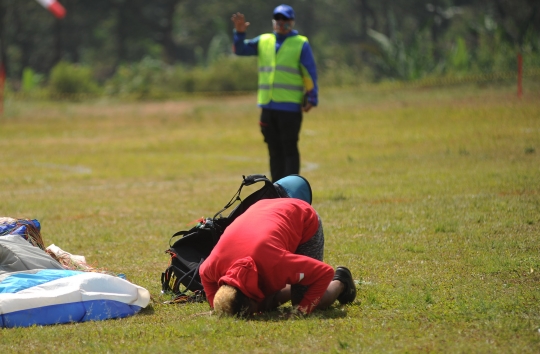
{"x": 280, "y": 78}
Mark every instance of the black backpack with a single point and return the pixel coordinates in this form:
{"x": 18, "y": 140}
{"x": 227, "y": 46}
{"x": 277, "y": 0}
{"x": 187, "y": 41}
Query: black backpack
{"x": 181, "y": 278}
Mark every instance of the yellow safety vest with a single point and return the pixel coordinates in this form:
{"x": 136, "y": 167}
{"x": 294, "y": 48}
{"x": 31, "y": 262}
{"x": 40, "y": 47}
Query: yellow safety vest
{"x": 280, "y": 77}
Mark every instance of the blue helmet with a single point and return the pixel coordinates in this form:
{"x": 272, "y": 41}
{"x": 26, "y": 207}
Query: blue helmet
{"x": 285, "y": 10}
{"x": 294, "y": 186}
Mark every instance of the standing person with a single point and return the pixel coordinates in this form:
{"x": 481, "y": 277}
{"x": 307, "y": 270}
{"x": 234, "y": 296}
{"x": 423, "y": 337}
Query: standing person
{"x": 287, "y": 85}
{"x": 271, "y": 254}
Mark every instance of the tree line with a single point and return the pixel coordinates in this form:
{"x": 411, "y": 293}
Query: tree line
{"x": 372, "y": 39}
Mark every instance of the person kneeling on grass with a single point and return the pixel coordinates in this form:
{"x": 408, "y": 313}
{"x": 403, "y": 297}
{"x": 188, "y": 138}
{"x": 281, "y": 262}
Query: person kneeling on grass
{"x": 272, "y": 254}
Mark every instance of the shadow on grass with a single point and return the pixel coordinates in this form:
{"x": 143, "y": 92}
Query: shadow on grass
{"x": 148, "y": 310}
{"x": 288, "y": 313}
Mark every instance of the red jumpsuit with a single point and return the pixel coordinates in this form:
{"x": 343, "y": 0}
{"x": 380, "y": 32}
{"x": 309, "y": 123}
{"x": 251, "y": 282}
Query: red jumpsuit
{"x": 256, "y": 253}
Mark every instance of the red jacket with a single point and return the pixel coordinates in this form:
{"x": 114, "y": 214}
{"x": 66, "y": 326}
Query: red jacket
{"x": 256, "y": 253}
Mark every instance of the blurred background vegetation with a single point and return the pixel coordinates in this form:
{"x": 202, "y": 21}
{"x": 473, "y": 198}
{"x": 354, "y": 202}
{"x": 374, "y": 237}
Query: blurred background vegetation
{"x": 155, "y": 49}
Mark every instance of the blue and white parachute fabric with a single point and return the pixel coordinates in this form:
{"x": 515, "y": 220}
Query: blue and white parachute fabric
{"x": 27, "y": 229}
{"x": 35, "y": 289}
{"x": 53, "y": 296}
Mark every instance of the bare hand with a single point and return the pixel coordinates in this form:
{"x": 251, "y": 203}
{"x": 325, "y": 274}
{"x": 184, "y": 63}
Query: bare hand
{"x": 307, "y": 107}
{"x": 240, "y": 24}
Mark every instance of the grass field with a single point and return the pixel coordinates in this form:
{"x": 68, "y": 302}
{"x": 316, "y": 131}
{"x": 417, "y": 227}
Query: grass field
{"x": 430, "y": 196}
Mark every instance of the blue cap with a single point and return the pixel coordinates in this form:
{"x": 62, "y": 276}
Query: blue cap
{"x": 285, "y": 10}
{"x": 295, "y": 186}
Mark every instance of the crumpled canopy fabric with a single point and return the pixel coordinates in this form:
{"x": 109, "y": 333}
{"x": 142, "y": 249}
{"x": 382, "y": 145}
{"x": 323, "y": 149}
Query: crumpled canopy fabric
{"x": 35, "y": 289}
{"x": 53, "y": 296}
{"x": 16, "y": 254}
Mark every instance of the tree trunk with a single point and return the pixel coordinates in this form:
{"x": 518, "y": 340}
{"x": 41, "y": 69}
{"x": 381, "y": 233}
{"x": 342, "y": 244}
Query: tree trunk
{"x": 3, "y": 46}
{"x": 121, "y": 34}
{"x": 167, "y": 31}
{"x": 57, "y": 56}
{"x": 363, "y": 9}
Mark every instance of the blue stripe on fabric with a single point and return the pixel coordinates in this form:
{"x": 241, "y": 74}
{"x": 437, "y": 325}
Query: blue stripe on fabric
{"x": 95, "y": 310}
{"x": 9, "y": 229}
{"x": 22, "y": 281}
{"x": 21, "y": 230}
{"x": 6, "y": 228}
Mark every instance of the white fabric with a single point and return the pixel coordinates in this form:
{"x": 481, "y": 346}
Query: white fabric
{"x": 46, "y": 3}
{"x": 78, "y": 288}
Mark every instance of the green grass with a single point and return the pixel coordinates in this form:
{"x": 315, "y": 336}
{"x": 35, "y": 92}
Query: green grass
{"x": 430, "y": 197}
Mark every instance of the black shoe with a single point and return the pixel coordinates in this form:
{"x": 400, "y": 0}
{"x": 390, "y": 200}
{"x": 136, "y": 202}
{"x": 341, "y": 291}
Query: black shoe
{"x": 349, "y": 294}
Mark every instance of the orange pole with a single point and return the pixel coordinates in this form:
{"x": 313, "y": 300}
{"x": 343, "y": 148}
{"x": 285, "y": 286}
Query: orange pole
{"x": 520, "y": 75}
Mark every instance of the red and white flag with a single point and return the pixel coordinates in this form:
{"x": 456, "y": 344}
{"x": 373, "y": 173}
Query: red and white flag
{"x": 53, "y": 6}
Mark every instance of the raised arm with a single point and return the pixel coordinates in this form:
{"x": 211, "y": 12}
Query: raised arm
{"x": 241, "y": 46}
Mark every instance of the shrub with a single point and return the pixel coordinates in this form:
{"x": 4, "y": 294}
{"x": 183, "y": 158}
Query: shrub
{"x": 334, "y": 74}
{"x": 70, "y": 79}
{"x": 30, "y": 80}
{"x": 227, "y": 73}
{"x": 153, "y": 79}
{"x": 141, "y": 79}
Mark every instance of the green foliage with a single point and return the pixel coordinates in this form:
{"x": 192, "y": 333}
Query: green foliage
{"x": 459, "y": 57}
{"x": 30, "y": 80}
{"x": 227, "y": 73}
{"x": 335, "y": 74}
{"x": 399, "y": 60}
{"x": 493, "y": 54}
{"x": 219, "y": 46}
{"x": 154, "y": 79}
{"x": 70, "y": 79}
{"x": 391, "y": 40}
{"x": 140, "y": 80}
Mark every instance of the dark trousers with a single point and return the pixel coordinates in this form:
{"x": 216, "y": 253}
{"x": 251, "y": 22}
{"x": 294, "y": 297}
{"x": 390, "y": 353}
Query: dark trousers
{"x": 281, "y": 130}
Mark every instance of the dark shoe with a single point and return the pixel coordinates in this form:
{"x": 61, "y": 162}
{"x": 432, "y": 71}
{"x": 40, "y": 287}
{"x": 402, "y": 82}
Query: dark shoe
{"x": 349, "y": 294}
